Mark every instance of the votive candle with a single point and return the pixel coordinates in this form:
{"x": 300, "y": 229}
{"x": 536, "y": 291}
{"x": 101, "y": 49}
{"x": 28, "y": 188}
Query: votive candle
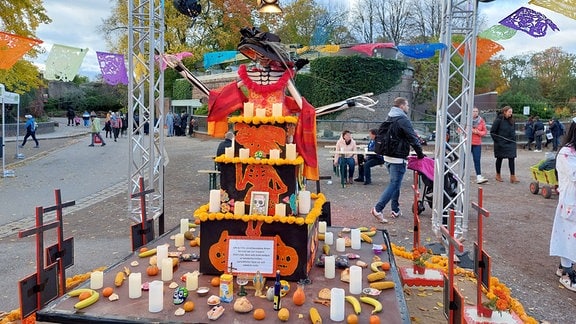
{"x": 248, "y": 109}
{"x": 321, "y": 227}
{"x": 304, "y": 203}
{"x": 214, "y": 206}
{"x": 355, "y": 280}
{"x": 179, "y": 240}
{"x": 156, "y": 296}
{"x": 260, "y": 112}
{"x": 184, "y": 225}
{"x": 337, "y": 304}
{"x": 167, "y": 269}
{"x": 276, "y": 110}
{"x": 244, "y": 153}
{"x": 329, "y": 266}
{"x": 192, "y": 280}
{"x": 274, "y": 154}
{"x": 340, "y": 244}
{"x": 161, "y": 254}
{"x": 239, "y": 208}
{"x": 290, "y": 151}
{"x": 229, "y": 152}
{"x": 280, "y": 209}
{"x": 355, "y": 236}
{"x": 96, "y": 280}
{"x": 135, "y": 285}
{"x": 328, "y": 238}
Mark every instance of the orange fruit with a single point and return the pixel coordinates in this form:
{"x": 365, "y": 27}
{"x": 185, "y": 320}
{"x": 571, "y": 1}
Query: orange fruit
{"x": 384, "y": 247}
{"x": 197, "y": 221}
{"x": 84, "y": 295}
{"x": 374, "y": 319}
{"x": 143, "y": 249}
{"x": 352, "y": 319}
{"x": 215, "y": 282}
{"x": 188, "y": 306}
{"x": 386, "y": 266}
{"x": 259, "y": 314}
{"x": 152, "y": 270}
{"x": 106, "y": 292}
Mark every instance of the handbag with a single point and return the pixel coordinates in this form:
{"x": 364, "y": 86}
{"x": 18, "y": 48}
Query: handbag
{"x": 539, "y": 132}
{"x": 549, "y": 136}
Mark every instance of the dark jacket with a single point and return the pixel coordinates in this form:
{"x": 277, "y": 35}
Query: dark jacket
{"x": 504, "y": 136}
{"x": 404, "y": 132}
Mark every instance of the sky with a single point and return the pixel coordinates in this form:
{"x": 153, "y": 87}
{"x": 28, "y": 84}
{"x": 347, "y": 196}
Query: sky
{"x": 74, "y": 23}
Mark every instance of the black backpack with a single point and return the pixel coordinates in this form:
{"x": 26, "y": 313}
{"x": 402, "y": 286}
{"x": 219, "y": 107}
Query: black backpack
{"x": 386, "y": 138}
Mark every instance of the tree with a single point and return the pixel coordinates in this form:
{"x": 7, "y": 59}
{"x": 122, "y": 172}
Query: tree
{"x": 554, "y": 69}
{"x": 427, "y": 22}
{"x": 363, "y": 15}
{"x": 394, "y": 19}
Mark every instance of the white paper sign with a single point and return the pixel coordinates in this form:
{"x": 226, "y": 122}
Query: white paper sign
{"x": 250, "y": 255}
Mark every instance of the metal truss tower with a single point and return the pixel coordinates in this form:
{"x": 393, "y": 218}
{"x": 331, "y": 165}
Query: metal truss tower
{"x": 456, "y": 78}
{"x": 146, "y": 107}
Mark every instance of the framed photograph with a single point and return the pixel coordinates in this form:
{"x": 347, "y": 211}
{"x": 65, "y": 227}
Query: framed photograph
{"x": 259, "y": 203}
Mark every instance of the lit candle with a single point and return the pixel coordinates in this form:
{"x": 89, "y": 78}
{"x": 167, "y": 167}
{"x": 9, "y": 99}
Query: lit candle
{"x": 355, "y": 280}
{"x": 167, "y": 269}
{"x": 329, "y": 266}
{"x": 214, "y": 206}
{"x": 328, "y": 238}
{"x": 96, "y": 280}
{"x": 135, "y": 285}
{"x": 239, "y": 208}
{"x": 321, "y": 227}
{"x": 304, "y": 203}
{"x": 248, "y": 109}
{"x": 192, "y": 280}
{"x": 356, "y": 243}
{"x": 244, "y": 153}
{"x": 274, "y": 154}
{"x": 229, "y": 152}
{"x": 260, "y": 112}
{"x": 184, "y": 225}
{"x": 161, "y": 254}
{"x": 280, "y": 209}
{"x": 276, "y": 110}
{"x": 290, "y": 151}
{"x": 340, "y": 244}
{"x": 337, "y": 304}
{"x": 179, "y": 240}
{"x": 156, "y": 296}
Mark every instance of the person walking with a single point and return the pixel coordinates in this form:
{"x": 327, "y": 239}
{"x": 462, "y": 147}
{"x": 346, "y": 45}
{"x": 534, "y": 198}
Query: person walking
{"x": 503, "y": 133}
{"x": 70, "y": 114}
{"x": 562, "y": 242}
{"x": 396, "y": 159}
{"x": 478, "y": 131}
{"x": 370, "y": 160}
{"x": 30, "y": 130}
{"x": 346, "y": 161}
{"x": 96, "y": 128}
{"x": 538, "y": 132}
{"x": 529, "y": 132}
{"x": 86, "y": 118}
{"x": 557, "y": 132}
{"x": 116, "y": 124}
{"x": 170, "y": 123}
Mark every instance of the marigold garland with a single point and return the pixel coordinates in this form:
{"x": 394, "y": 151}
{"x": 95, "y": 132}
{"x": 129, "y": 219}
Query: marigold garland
{"x": 441, "y": 263}
{"x": 263, "y": 120}
{"x": 251, "y": 160}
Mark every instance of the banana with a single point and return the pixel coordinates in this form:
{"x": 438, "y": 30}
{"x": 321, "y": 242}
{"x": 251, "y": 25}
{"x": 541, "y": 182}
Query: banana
{"x": 88, "y": 301}
{"x": 147, "y": 253}
{"x": 326, "y": 249}
{"x": 370, "y": 233}
{"x": 355, "y": 303}
{"x": 77, "y": 292}
{"x": 374, "y": 302}
{"x": 363, "y": 229}
{"x": 374, "y": 266}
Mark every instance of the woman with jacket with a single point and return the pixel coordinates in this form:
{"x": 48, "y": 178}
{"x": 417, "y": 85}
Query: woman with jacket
{"x": 478, "y": 131}
{"x": 503, "y": 133}
{"x": 346, "y": 161}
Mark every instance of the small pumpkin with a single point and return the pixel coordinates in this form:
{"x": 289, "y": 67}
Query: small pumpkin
{"x": 152, "y": 270}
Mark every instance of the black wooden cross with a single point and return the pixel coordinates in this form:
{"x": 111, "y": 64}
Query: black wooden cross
{"x": 142, "y": 232}
{"x": 453, "y": 301}
{"x": 481, "y": 258}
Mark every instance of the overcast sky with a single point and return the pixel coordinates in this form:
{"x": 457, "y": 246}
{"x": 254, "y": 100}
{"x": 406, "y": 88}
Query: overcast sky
{"x": 74, "y": 24}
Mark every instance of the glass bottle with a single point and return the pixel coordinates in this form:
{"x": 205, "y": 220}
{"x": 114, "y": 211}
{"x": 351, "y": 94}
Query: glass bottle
{"x": 277, "y": 291}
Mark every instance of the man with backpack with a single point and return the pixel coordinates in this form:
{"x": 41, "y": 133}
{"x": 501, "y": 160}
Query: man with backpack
{"x": 31, "y": 126}
{"x": 393, "y": 141}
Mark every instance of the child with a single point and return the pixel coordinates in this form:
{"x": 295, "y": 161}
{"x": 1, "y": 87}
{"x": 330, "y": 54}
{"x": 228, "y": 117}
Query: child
{"x": 77, "y": 120}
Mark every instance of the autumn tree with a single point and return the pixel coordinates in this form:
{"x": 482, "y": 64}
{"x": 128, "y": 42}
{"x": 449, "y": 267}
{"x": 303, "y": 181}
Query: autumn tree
{"x": 394, "y": 19}
{"x": 554, "y": 69}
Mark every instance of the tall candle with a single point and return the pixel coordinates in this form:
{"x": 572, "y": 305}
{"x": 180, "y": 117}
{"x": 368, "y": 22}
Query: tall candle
{"x": 192, "y": 280}
{"x": 214, "y": 206}
{"x": 184, "y": 225}
{"x": 135, "y": 285}
{"x": 356, "y": 243}
{"x": 355, "y": 280}
{"x": 274, "y": 154}
{"x": 260, "y": 112}
{"x": 337, "y": 304}
{"x": 244, "y": 153}
{"x": 156, "y": 296}
{"x": 96, "y": 280}
{"x": 340, "y": 244}
{"x": 239, "y": 208}
{"x": 328, "y": 238}
{"x": 248, "y": 109}
{"x": 280, "y": 209}
{"x": 277, "y": 110}
{"x": 321, "y": 227}
{"x": 161, "y": 253}
{"x": 167, "y": 269}
{"x": 229, "y": 152}
{"x": 304, "y": 203}
{"x": 290, "y": 151}
{"x": 329, "y": 267}
{"x": 179, "y": 240}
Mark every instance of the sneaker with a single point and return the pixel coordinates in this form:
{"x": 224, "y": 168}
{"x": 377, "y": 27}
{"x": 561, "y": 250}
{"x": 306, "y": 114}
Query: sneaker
{"x": 367, "y": 182}
{"x": 21, "y": 146}
{"x": 379, "y": 216}
{"x": 569, "y": 281}
{"x": 481, "y": 179}
{"x": 559, "y": 272}
{"x": 537, "y": 151}
{"x": 359, "y": 180}
{"x": 394, "y": 214}
{"x": 37, "y": 146}
{"x": 91, "y": 145}
{"x": 103, "y": 144}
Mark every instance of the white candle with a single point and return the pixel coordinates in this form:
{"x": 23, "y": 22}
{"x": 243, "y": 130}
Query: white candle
{"x": 337, "y": 304}
{"x": 244, "y": 153}
{"x": 229, "y": 152}
{"x": 329, "y": 267}
{"x": 96, "y": 280}
{"x": 321, "y": 227}
{"x": 304, "y": 203}
{"x": 184, "y": 225}
{"x": 280, "y": 209}
{"x": 340, "y": 244}
{"x": 239, "y": 208}
{"x": 290, "y": 151}
{"x": 355, "y": 280}
{"x": 135, "y": 285}
{"x": 167, "y": 269}
{"x": 276, "y": 110}
{"x": 156, "y": 296}
{"x": 214, "y": 206}
{"x": 356, "y": 243}
{"x": 248, "y": 109}
{"x": 192, "y": 280}
{"x": 161, "y": 254}
{"x": 274, "y": 154}
{"x": 260, "y": 112}
{"x": 179, "y": 240}
{"x": 328, "y": 238}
